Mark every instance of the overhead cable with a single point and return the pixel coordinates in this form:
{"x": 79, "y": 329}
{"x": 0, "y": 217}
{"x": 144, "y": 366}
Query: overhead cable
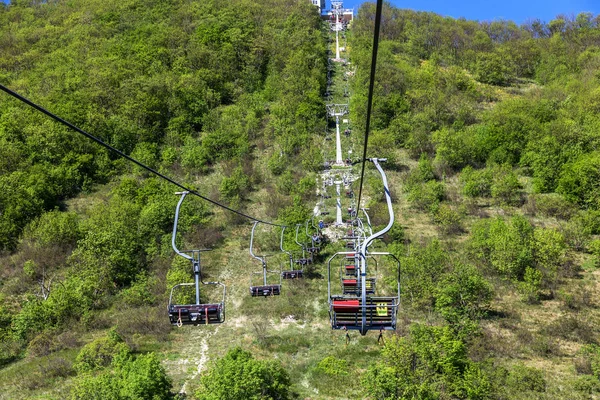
{"x": 370, "y": 95}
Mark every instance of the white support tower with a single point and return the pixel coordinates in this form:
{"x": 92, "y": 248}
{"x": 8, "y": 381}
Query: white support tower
{"x": 337, "y": 111}
{"x": 337, "y": 11}
{"x": 338, "y": 211}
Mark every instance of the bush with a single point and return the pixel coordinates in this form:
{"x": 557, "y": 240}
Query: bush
{"x": 430, "y": 363}
{"x": 426, "y": 196}
{"x": 553, "y": 205}
{"x": 448, "y": 219}
{"x": 464, "y": 293}
{"x": 506, "y": 188}
{"x": 522, "y": 378}
{"x": 580, "y": 181}
{"x": 238, "y": 376}
{"x": 477, "y": 183}
{"x": 331, "y": 365}
{"x": 101, "y": 352}
{"x": 235, "y": 186}
{"x": 130, "y": 379}
{"x": 508, "y": 248}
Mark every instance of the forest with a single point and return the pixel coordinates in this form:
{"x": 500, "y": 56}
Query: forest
{"x": 491, "y": 134}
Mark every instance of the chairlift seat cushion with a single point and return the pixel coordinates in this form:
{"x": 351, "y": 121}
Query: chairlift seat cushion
{"x": 265, "y": 290}
{"x": 346, "y": 306}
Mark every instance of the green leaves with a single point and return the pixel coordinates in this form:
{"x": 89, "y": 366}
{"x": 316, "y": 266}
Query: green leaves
{"x": 238, "y": 376}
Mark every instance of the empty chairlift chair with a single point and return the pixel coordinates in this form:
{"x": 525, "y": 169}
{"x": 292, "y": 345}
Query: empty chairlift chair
{"x": 266, "y": 289}
{"x": 365, "y": 311}
{"x": 315, "y": 242}
{"x": 193, "y": 313}
{"x": 304, "y": 260}
{"x": 292, "y": 273}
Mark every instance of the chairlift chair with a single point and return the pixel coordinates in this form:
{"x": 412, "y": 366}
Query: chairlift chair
{"x": 195, "y": 313}
{"x": 303, "y": 260}
{"x": 266, "y": 289}
{"x": 292, "y": 273}
{"x": 365, "y": 311}
{"x": 315, "y": 242}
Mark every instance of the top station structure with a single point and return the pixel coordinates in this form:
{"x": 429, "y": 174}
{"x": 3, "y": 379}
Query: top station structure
{"x": 346, "y": 15}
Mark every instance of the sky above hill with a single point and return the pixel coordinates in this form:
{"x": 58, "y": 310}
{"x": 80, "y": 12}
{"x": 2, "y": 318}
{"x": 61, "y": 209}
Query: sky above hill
{"x": 514, "y": 10}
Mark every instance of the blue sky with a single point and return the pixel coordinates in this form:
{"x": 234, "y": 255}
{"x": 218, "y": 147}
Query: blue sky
{"x": 485, "y": 10}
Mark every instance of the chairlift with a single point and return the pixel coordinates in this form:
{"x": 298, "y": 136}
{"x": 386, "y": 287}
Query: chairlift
{"x": 266, "y": 289}
{"x": 198, "y": 312}
{"x": 292, "y": 273}
{"x": 365, "y": 311}
{"x": 315, "y": 241}
{"x": 303, "y": 260}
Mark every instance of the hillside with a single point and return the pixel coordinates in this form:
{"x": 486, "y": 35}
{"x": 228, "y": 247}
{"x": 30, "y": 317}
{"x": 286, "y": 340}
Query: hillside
{"x": 490, "y": 134}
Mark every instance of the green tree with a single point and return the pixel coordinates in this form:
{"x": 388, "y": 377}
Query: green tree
{"x": 238, "y": 376}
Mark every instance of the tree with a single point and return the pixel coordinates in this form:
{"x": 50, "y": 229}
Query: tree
{"x": 238, "y": 376}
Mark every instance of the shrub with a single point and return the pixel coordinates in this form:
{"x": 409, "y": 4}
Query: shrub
{"x": 430, "y": 363}
{"x": 553, "y": 205}
{"x": 448, "y": 219}
{"x": 580, "y": 181}
{"x": 506, "y": 188}
{"x": 101, "y": 352}
{"x": 238, "y": 376}
{"x": 522, "y": 378}
{"x": 426, "y": 196}
{"x": 331, "y": 365}
{"x": 464, "y": 293}
{"x": 236, "y": 185}
{"x": 477, "y": 183}
{"x": 139, "y": 378}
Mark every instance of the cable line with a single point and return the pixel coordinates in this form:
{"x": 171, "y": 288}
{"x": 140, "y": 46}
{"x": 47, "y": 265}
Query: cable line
{"x": 370, "y": 95}
{"x": 133, "y": 160}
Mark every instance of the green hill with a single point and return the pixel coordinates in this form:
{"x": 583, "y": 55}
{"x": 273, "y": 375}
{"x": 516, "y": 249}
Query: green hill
{"x": 490, "y": 134}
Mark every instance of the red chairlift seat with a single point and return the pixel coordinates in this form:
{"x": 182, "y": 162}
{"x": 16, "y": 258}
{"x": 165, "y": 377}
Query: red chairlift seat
{"x": 380, "y": 313}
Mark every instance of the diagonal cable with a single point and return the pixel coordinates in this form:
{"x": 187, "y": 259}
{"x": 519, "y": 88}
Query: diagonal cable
{"x": 133, "y": 160}
{"x": 370, "y": 95}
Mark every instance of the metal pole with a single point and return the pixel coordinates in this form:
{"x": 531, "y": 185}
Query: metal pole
{"x": 285, "y": 251}
{"x": 367, "y": 242}
{"x": 261, "y": 259}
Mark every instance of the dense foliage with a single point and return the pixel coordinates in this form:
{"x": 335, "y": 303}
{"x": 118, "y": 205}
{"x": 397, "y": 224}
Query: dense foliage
{"x": 491, "y": 131}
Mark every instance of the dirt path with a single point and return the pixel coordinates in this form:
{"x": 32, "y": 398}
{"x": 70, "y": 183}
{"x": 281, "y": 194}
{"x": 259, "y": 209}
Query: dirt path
{"x": 201, "y": 359}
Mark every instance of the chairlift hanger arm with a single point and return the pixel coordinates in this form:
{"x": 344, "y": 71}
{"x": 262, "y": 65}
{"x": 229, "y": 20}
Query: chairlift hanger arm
{"x": 261, "y": 259}
{"x": 388, "y": 199}
{"x": 183, "y": 194}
